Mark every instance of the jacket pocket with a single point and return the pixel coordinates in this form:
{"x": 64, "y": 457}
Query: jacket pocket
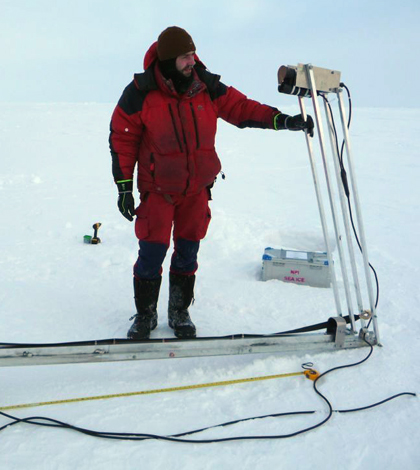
{"x": 171, "y": 172}
{"x": 207, "y": 167}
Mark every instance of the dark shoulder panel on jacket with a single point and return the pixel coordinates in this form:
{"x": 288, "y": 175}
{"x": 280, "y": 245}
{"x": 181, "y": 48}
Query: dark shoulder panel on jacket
{"x": 135, "y": 93}
{"x": 132, "y": 99}
{"x": 212, "y": 81}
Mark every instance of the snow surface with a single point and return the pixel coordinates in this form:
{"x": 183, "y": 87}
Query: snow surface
{"x": 55, "y": 182}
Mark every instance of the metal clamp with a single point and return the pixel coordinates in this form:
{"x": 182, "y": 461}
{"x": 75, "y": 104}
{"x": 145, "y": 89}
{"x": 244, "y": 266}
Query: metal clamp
{"x": 338, "y": 326}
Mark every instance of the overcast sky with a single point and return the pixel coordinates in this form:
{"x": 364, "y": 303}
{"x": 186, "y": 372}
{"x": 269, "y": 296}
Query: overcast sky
{"x": 88, "y": 50}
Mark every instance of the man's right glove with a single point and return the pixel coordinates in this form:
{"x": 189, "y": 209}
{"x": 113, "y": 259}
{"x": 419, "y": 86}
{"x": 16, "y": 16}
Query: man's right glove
{"x": 294, "y": 123}
{"x": 125, "y": 199}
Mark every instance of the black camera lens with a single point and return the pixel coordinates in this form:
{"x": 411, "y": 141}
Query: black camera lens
{"x": 287, "y": 75}
{"x": 287, "y": 82}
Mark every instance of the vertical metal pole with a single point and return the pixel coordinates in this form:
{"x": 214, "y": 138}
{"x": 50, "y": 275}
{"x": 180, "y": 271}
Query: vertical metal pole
{"x": 311, "y": 80}
{"x": 344, "y": 211}
{"x": 321, "y": 211}
{"x": 359, "y": 215}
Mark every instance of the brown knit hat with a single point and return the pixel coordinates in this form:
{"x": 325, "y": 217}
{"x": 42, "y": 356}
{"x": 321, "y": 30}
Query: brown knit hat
{"x": 172, "y": 42}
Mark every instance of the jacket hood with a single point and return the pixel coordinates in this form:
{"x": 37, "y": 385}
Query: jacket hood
{"x": 151, "y": 57}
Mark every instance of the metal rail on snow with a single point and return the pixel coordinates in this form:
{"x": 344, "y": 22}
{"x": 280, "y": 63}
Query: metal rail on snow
{"x": 302, "y": 81}
{"x": 338, "y": 337}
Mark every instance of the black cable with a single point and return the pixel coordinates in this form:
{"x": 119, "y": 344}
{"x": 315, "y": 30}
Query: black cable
{"x": 49, "y": 422}
{"x": 368, "y": 407}
{"x": 114, "y": 341}
{"x": 351, "y": 214}
{"x": 345, "y": 181}
{"x": 174, "y": 437}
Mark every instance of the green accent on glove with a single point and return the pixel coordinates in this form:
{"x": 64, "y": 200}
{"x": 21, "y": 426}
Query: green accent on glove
{"x": 125, "y": 186}
{"x": 275, "y": 122}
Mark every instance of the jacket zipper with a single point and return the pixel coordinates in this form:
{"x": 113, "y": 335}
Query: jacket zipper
{"x": 152, "y": 165}
{"x": 174, "y": 125}
{"x": 186, "y": 148}
{"x": 179, "y": 139}
{"x": 195, "y": 125}
{"x": 182, "y": 127}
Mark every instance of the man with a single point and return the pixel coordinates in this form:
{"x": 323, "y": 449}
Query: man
{"x": 165, "y": 123}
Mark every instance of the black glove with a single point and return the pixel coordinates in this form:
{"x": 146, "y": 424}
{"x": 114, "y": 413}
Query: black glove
{"x": 294, "y": 123}
{"x": 126, "y": 203}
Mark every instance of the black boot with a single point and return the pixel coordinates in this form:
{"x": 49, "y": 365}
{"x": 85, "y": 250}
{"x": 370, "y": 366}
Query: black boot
{"x": 146, "y": 294}
{"x": 181, "y": 293}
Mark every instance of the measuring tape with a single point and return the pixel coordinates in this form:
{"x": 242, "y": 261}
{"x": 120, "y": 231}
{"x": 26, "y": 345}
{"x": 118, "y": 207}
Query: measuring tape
{"x": 308, "y": 373}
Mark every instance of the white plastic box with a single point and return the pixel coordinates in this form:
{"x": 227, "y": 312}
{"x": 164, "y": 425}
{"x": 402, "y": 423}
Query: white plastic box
{"x": 307, "y": 268}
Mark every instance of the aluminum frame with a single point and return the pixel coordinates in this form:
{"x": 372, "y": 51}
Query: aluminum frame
{"x": 340, "y": 338}
{"x": 349, "y": 289}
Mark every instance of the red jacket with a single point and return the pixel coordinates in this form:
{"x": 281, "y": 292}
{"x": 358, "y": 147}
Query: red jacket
{"x": 171, "y": 137}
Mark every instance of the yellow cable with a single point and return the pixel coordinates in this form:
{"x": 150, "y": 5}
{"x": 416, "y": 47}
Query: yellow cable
{"x": 148, "y": 392}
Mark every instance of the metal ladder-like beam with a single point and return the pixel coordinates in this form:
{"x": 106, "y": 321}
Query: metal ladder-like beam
{"x": 339, "y": 338}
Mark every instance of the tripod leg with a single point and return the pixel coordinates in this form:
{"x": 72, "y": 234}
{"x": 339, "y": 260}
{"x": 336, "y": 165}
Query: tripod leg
{"x": 346, "y": 219}
{"x": 321, "y": 211}
{"x": 358, "y": 215}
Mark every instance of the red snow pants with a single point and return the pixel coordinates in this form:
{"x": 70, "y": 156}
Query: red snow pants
{"x": 157, "y": 216}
